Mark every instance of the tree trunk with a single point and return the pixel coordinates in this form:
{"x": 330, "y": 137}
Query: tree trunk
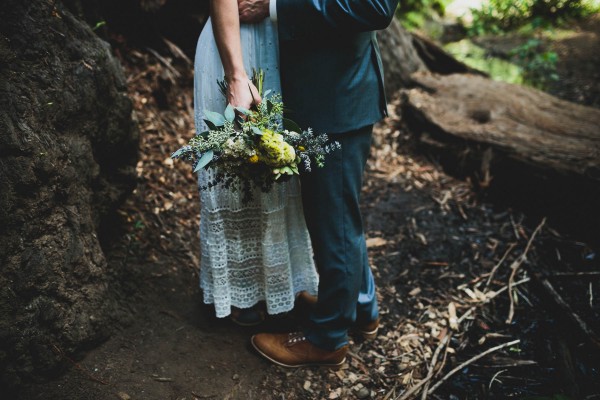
{"x": 68, "y": 147}
{"x": 399, "y": 57}
{"x": 404, "y": 53}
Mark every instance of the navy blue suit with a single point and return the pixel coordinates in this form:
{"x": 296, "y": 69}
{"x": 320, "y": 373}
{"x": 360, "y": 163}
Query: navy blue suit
{"x": 332, "y": 81}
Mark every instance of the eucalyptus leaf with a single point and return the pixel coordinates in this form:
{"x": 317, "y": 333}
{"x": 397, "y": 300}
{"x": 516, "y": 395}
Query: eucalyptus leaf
{"x": 243, "y": 110}
{"x": 269, "y": 106}
{"x": 177, "y": 153}
{"x": 210, "y": 125}
{"x": 291, "y": 125}
{"x": 216, "y": 118}
{"x": 268, "y": 92}
{"x": 203, "y": 134}
{"x": 204, "y": 160}
{"x": 229, "y": 113}
{"x": 257, "y": 131}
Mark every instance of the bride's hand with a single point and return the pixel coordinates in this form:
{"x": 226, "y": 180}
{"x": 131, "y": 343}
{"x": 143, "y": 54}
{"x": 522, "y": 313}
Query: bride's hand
{"x": 242, "y": 93}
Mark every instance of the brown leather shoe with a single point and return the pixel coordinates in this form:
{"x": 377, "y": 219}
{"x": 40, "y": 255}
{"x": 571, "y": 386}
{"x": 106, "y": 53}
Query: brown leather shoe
{"x": 293, "y": 350}
{"x": 306, "y": 299}
{"x": 368, "y": 330}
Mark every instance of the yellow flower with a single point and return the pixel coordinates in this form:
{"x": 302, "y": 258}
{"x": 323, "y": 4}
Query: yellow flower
{"x": 253, "y": 159}
{"x": 301, "y": 148}
{"x": 276, "y": 152}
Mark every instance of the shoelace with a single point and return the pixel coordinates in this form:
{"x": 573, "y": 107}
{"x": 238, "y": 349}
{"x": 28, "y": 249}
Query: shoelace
{"x": 295, "y": 337}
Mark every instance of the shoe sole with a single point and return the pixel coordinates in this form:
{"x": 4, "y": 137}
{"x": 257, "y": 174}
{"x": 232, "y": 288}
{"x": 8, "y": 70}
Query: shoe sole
{"x": 334, "y": 367}
{"x": 246, "y": 324}
{"x": 370, "y": 335}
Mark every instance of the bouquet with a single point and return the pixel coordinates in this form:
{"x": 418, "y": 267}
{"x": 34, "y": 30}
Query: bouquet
{"x": 256, "y": 147}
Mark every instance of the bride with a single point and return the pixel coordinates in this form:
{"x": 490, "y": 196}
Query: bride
{"x": 258, "y": 252}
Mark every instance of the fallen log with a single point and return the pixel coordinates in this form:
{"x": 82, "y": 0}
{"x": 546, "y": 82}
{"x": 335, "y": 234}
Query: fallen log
{"x": 519, "y": 143}
{"x": 524, "y": 124}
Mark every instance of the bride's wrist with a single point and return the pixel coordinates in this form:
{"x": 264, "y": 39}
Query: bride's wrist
{"x": 236, "y": 77}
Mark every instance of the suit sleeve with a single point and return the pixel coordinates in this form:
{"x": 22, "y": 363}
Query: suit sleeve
{"x": 302, "y": 18}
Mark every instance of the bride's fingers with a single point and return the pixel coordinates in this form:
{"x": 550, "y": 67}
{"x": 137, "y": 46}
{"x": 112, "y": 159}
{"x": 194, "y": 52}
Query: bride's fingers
{"x": 243, "y": 94}
{"x": 256, "y": 99}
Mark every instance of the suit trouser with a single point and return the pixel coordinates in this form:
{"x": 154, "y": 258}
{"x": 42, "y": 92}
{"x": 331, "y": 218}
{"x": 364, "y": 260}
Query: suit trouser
{"x": 331, "y": 197}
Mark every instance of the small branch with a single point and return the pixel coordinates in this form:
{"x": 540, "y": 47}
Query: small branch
{"x": 506, "y": 253}
{"x": 470, "y": 361}
{"x": 432, "y": 370}
{"x": 393, "y": 391}
{"x": 571, "y": 274}
{"x": 569, "y": 313}
{"x": 494, "y": 378}
{"x": 78, "y": 366}
{"x": 505, "y": 288}
{"x": 165, "y": 62}
{"x": 515, "y": 267}
{"x": 444, "y": 342}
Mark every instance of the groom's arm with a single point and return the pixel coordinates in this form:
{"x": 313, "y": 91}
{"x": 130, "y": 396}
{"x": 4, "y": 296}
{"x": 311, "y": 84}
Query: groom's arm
{"x": 298, "y": 18}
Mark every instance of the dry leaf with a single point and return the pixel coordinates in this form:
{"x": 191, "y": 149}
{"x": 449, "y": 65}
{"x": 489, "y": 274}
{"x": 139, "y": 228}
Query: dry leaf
{"x": 376, "y": 242}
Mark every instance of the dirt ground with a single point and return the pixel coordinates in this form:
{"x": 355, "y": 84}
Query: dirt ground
{"x": 438, "y": 252}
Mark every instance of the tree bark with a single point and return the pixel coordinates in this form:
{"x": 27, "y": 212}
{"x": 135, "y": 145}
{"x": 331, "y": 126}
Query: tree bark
{"x": 399, "y": 56}
{"x": 68, "y": 147}
{"x": 523, "y": 124}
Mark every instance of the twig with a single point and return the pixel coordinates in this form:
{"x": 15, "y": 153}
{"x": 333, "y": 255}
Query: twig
{"x": 515, "y": 231}
{"x": 165, "y": 62}
{"x": 465, "y": 315}
{"x": 515, "y": 267}
{"x": 496, "y": 293}
{"x": 203, "y": 396}
{"x": 569, "y": 313}
{"x": 569, "y": 274}
{"x": 78, "y": 366}
{"x": 356, "y": 357}
{"x": 432, "y": 370}
{"x": 416, "y": 388}
{"x": 506, "y": 253}
{"x": 494, "y": 378}
{"x": 469, "y": 361}
{"x": 393, "y": 391}
{"x": 162, "y": 379}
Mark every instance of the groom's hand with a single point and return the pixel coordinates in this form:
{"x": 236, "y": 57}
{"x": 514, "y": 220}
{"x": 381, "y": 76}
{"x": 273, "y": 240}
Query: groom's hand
{"x": 253, "y": 11}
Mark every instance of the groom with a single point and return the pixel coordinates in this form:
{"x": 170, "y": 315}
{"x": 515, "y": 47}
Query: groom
{"x": 332, "y": 81}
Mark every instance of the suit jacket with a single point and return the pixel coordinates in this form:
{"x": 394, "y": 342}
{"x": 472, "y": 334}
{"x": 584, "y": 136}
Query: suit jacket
{"x": 331, "y": 71}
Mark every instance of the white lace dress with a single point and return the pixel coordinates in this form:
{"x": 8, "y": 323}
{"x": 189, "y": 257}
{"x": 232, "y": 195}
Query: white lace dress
{"x": 260, "y": 250}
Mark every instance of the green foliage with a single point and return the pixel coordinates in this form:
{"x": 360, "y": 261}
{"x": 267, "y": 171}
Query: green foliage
{"x": 539, "y": 65}
{"x": 477, "y": 57}
{"x": 553, "y": 10}
{"x": 496, "y": 16}
{"x": 99, "y": 24}
{"x": 414, "y": 13}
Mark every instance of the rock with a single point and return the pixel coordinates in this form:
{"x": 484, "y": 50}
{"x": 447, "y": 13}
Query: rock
{"x": 363, "y": 393}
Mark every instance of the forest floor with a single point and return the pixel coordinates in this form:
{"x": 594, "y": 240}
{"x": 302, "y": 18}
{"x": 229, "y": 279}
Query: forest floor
{"x": 456, "y": 274}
